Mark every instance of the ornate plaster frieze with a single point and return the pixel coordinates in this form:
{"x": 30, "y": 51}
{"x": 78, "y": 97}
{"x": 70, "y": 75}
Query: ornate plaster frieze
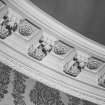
{"x": 101, "y": 77}
{"x": 39, "y": 46}
{"x": 101, "y": 80}
{"x": 82, "y": 61}
{"x": 11, "y": 21}
{"x": 46, "y": 45}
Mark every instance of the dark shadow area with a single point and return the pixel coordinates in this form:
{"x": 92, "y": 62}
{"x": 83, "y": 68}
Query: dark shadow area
{"x": 85, "y": 16}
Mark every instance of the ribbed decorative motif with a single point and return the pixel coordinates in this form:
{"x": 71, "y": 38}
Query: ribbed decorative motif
{"x": 25, "y": 29}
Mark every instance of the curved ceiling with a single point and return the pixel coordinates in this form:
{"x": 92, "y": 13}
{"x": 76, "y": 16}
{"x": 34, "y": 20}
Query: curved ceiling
{"x": 85, "y": 16}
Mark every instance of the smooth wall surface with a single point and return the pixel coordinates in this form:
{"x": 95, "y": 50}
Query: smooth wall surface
{"x": 85, "y": 16}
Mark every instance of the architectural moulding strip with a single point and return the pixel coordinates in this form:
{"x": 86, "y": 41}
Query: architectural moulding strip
{"x": 58, "y": 28}
{"x": 47, "y": 76}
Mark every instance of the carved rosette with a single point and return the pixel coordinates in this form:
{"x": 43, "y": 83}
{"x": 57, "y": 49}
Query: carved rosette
{"x": 77, "y": 101}
{"x": 8, "y": 24}
{"x": 4, "y": 79}
{"x": 75, "y": 66}
{"x": 36, "y": 53}
{"x": 19, "y": 88}
{"x": 72, "y": 70}
{"x": 60, "y": 48}
{"x": 101, "y": 80}
{"x": 43, "y": 49}
{"x": 25, "y": 28}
